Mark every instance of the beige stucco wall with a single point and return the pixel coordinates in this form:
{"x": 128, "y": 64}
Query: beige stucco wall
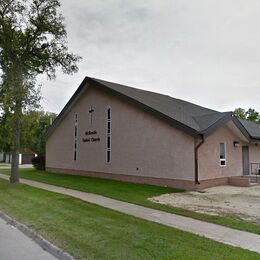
{"x": 254, "y": 153}
{"x": 254, "y": 157}
{"x": 139, "y": 140}
{"x": 209, "y": 165}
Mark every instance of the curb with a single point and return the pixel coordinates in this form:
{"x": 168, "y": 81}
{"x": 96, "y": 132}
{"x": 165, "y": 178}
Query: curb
{"x": 43, "y": 243}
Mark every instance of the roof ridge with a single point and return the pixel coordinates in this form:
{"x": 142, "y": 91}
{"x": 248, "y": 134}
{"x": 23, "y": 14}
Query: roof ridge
{"x": 152, "y": 92}
{"x": 181, "y": 102}
{"x": 135, "y": 88}
{"x": 213, "y": 113}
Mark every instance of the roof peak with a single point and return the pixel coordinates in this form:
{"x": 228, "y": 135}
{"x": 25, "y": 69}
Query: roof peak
{"x": 184, "y": 115}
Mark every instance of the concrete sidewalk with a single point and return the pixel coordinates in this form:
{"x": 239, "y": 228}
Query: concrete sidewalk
{"x": 8, "y": 166}
{"x": 215, "y": 232}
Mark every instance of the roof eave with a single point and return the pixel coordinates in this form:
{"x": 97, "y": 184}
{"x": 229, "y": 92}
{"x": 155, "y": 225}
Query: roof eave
{"x": 241, "y": 127}
{"x": 65, "y": 109}
{"x": 255, "y": 139}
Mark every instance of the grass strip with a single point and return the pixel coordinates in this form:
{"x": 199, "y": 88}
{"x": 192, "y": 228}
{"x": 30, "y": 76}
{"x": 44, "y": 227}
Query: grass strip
{"x": 131, "y": 192}
{"x": 88, "y": 231}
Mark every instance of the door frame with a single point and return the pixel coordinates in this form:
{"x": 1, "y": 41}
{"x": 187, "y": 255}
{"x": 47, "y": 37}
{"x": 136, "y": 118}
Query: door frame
{"x": 245, "y": 160}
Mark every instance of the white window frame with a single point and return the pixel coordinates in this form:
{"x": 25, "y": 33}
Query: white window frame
{"x": 108, "y": 120}
{"x": 223, "y": 159}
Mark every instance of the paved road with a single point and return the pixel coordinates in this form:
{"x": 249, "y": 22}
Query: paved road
{"x": 14, "y": 245}
{"x": 215, "y": 232}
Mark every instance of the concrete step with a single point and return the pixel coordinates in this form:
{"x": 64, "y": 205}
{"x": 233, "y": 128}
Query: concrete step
{"x": 254, "y": 179}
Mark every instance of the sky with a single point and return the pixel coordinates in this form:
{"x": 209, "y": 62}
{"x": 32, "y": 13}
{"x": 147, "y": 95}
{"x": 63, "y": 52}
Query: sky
{"x": 204, "y": 51}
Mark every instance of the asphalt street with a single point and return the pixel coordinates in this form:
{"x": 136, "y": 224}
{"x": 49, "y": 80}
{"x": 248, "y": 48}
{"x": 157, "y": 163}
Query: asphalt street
{"x": 14, "y": 245}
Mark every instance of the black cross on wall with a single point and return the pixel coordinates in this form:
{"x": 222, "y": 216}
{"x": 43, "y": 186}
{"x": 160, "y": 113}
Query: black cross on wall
{"x": 91, "y": 111}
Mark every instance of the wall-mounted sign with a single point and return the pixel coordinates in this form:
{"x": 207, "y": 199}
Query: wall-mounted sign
{"x": 91, "y": 139}
{"x": 91, "y": 132}
{"x": 88, "y": 140}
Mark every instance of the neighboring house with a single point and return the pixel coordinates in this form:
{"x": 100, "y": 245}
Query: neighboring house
{"x": 1, "y": 157}
{"x": 25, "y": 156}
{"x": 113, "y": 131}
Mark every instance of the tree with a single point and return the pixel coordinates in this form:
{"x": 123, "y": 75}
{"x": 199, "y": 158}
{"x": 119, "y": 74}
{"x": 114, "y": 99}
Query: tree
{"x": 251, "y": 114}
{"x": 32, "y": 42}
{"x": 240, "y": 113}
{"x": 34, "y": 127}
{"x": 5, "y": 139}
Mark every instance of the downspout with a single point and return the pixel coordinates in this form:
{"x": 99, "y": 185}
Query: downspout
{"x": 196, "y": 160}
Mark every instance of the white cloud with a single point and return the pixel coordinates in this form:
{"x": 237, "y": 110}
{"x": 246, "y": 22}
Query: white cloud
{"x": 203, "y": 51}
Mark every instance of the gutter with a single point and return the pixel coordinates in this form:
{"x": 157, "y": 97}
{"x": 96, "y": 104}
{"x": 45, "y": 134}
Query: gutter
{"x": 197, "y": 160}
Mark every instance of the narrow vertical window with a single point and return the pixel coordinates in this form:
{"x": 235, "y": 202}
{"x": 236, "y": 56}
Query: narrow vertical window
{"x": 222, "y": 154}
{"x": 108, "y": 142}
{"x": 91, "y": 115}
{"x": 75, "y": 136}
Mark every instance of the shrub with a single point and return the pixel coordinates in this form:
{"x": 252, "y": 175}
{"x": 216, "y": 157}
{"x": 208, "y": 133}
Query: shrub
{"x": 39, "y": 162}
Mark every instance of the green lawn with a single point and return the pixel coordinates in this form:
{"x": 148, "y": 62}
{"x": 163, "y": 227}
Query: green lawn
{"x": 88, "y": 231}
{"x": 130, "y": 192}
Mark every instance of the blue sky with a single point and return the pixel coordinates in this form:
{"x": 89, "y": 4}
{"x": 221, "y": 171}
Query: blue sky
{"x": 204, "y": 51}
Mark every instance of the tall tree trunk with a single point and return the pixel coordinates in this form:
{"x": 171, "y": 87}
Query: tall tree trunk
{"x": 16, "y": 130}
{"x": 14, "y": 178}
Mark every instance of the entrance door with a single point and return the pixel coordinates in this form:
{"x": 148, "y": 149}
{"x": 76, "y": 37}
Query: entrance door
{"x": 245, "y": 159}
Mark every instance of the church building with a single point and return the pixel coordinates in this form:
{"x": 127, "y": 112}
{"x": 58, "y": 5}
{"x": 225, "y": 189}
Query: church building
{"x": 113, "y": 131}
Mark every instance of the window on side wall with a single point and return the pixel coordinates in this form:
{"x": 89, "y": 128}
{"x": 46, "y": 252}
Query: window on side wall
{"x": 75, "y": 137}
{"x": 108, "y": 143}
{"x": 222, "y": 154}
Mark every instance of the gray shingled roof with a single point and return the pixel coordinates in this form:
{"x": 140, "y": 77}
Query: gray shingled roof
{"x": 252, "y": 128}
{"x": 194, "y": 116}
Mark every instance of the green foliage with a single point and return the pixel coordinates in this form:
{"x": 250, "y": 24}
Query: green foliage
{"x": 251, "y": 114}
{"x": 39, "y": 162}
{"x": 32, "y": 42}
{"x": 33, "y": 128}
{"x": 240, "y": 113}
{"x": 4, "y": 133}
{"x": 33, "y": 38}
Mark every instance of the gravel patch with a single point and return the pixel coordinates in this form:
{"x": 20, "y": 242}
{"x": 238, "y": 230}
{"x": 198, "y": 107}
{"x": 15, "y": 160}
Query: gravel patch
{"x": 242, "y": 202}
